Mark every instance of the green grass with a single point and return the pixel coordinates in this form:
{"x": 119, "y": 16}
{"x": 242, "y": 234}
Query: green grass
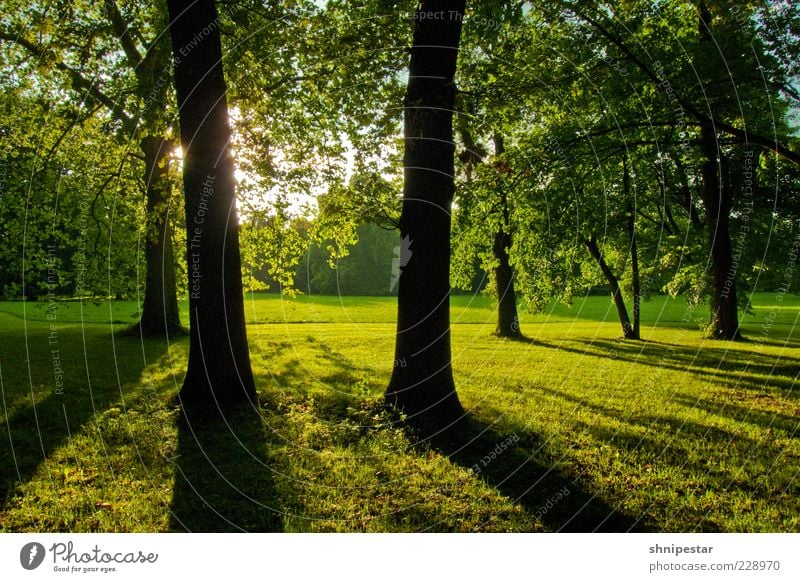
{"x": 676, "y": 433}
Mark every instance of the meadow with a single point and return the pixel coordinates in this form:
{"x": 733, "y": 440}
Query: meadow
{"x": 572, "y": 429}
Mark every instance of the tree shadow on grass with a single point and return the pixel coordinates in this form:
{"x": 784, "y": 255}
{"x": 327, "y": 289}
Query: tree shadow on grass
{"x": 729, "y": 467}
{"x": 98, "y": 369}
{"x": 287, "y": 376}
{"x": 763, "y": 418}
{"x": 665, "y": 424}
{"x": 728, "y": 459}
{"x": 223, "y": 482}
{"x": 556, "y": 499}
{"x": 553, "y": 497}
{"x": 724, "y": 366}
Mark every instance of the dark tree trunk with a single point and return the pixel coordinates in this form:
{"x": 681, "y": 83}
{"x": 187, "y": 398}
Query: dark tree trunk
{"x": 160, "y": 315}
{"x": 616, "y": 292}
{"x": 684, "y": 195}
{"x": 507, "y": 316}
{"x": 422, "y": 381}
{"x": 717, "y": 202}
{"x": 635, "y": 278}
{"x": 219, "y": 373}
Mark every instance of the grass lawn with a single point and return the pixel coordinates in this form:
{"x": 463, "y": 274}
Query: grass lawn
{"x": 573, "y": 429}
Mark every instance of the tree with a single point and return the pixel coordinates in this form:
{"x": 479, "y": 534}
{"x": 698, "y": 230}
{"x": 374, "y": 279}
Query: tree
{"x": 574, "y": 180}
{"x": 485, "y": 229}
{"x": 734, "y": 95}
{"x": 507, "y": 316}
{"x": 486, "y": 233}
{"x": 619, "y": 102}
{"x": 219, "y": 373}
{"x": 422, "y": 382}
{"x": 630, "y": 219}
{"x": 630, "y": 327}
{"x": 67, "y": 220}
{"x": 520, "y": 85}
{"x": 87, "y": 53}
{"x": 718, "y": 203}
{"x": 160, "y": 315}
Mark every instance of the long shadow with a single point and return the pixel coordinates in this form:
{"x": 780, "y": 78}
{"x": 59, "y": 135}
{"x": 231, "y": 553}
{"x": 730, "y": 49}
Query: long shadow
{"x": 556, "y": 499}
{"x": 717, "y": 479}
{"x": 95, "y": 375}
{"x": 664, "y": 424}
{"x": 734, "y": 366}
{"x": 223, "y": 481}
{"x": 342, "y": 378}
{"x": 763, "y": 418}
{"x": 728, "y": 462}
{"x": 724, "y": 366}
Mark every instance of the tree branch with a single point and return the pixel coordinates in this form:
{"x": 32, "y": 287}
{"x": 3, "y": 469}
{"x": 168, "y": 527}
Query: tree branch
{"x": 745, "y": 136}
{"x": 122, "y": 30}
{"x": 76, "y": 77}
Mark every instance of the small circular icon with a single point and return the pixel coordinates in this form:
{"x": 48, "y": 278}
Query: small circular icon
{"x": 31, "y": 555}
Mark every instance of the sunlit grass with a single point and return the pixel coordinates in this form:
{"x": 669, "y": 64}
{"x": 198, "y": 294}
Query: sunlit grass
{"x": 676, "y": 433}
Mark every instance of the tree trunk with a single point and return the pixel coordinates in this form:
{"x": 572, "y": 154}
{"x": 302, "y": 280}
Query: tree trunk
{"x": 685, "y": 195}
{"x": 507, "y": 316}
{"x": 635, "y": 278}
{"x": 717, "y": 202}
{"x": 616, "y": 292}
{"x": 160, "y": 315}
{"x": 724, "y": 322}
{"x": 219, "y": 373}
{"x": 422, "y": 381}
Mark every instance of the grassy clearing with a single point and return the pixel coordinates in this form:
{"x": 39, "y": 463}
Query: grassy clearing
{"x": 676, "y": 433}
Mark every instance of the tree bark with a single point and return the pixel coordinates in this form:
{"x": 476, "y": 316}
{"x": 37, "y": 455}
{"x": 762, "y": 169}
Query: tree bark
{"x": 634, "y": 251}
{"x": 160, "y": 314}
{"x": 507, "y": 315}
{"x": 724, "y": 322}
{"x": 635, "y": 278}
{"x": 616, "y": 292}
{"x": 717, "y": 202}
{"x": 219, "y": 373}
{"x": 422, "y": 381}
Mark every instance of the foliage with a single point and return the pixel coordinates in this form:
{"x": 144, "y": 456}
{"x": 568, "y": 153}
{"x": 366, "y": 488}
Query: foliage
{"x": 68, "y": 223}
{"x": 678, "y": 432}
{"x": 634, "y": 87}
